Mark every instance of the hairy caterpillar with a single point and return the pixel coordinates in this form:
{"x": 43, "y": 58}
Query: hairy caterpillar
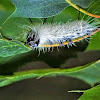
{"x": 45, "y": 36}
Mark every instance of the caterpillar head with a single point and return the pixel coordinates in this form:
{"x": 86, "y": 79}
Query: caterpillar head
{"x": 32, "y": 39}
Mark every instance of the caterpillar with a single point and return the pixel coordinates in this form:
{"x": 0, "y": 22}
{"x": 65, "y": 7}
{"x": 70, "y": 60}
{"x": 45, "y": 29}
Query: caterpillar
{"x": 46, "y": 36}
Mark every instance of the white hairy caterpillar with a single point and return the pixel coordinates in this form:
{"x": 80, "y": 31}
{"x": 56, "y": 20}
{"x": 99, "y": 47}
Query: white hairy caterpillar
{"x": 48, "y": 35}
{"x": 43, "y": 37}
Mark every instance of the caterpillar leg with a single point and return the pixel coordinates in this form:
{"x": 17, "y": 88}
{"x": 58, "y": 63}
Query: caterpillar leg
{"x": 45, "y": 19}
{"x": 79, "y": 15}
{"x": 30, "y": 20}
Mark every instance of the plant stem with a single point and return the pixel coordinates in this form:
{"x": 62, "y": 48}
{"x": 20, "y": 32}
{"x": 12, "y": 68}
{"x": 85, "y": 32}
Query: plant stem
{"x": 82, "y": 10}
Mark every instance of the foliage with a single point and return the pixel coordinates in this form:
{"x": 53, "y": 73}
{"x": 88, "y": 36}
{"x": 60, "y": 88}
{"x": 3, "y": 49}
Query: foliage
{"x": 79, "y": 72}
{"x": 10, "y": 48}
{"x": 91, "y": 94}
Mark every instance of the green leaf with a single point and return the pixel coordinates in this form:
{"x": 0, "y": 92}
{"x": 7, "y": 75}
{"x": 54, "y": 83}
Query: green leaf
{"x": 6, "y": 9}
{"x": 88, "y": 73}
{"x": 43, "y": 8}
{"x": 95, "y": 39}
{"x": 38, "y": 8}
{"x": 68, "y": 14}
{"x": 10, "y": 48}
{"x": 82, "y": 3}
{"x": 15, "y": 28}
{"x": 91, "y": 94}
{"x": 94, "y": 43}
